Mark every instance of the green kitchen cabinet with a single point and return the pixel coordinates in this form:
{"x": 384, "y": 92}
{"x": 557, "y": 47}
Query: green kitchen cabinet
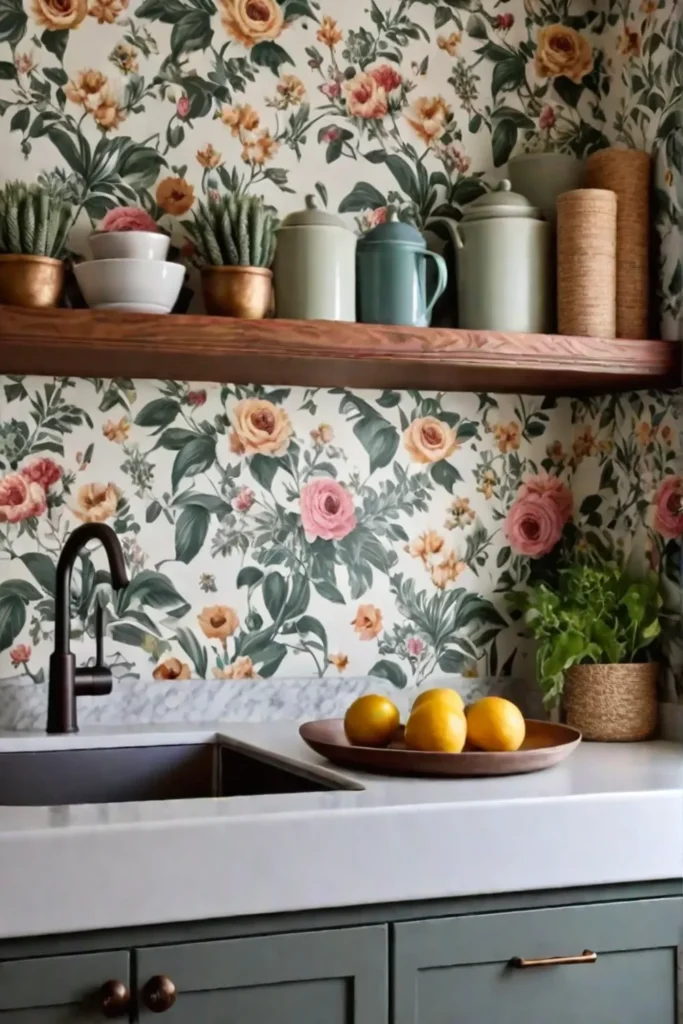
{"x": 59, "y": 989}
{"x": 466, "y": 970}
{"x": 322, "y": 977}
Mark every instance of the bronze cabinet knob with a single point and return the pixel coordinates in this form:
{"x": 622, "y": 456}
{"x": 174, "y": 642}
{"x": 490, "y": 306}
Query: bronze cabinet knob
{"x": 159, "y": 994}
{"x": 114, "y": 999}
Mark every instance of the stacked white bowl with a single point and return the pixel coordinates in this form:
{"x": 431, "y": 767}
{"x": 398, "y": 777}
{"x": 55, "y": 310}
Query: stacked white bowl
{"x": 129, "y": 272}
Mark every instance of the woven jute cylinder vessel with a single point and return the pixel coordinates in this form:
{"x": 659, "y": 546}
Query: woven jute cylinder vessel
{"x": 628, "y": 173}
{"x": 587, "y": 263}
{"x": 612, "y": 703}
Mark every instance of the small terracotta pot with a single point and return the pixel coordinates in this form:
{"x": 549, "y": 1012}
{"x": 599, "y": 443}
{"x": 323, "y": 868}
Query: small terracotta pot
{"x": 612, "y": 703}
{"x": 35, "y": 282}
{"x": 244, "y": 292}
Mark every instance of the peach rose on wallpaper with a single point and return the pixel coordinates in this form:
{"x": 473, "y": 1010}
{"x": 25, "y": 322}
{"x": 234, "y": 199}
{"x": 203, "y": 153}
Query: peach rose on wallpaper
{"x": 259, "y": 427}
{"x": 172, "y": 668}
{"x": 117, "y": 431}
{"x": 56, "y": 15}
{"x": 340, "y": 661}
{"x": 562, "y": 51}
{"x": 508, "y": 437}
{"x": 428, "y": 117}
{"x": 329, "y": 33}
{"x": 327, "y": 510}
{"x": 449, "y": 43}
{"x": 239, "y": 119}
{"x": 368, "y": 621}
{"x": 20, "y": 498}
{"x": 429, "y": 439}
{"x": 175, "y": 196}
{"x": 551, "y": 487}
{"x": 252, "y": 21}
{"x": 107, "y": 11}
{"x": 241, "y": 668}
{"x": 96, "y": 502}
{"x": 208, "y": 156}
{"x": 218, "y": 622}
{"x": 365, "y": 97}
{"x": 533, "y": 525}
{"x": 668, "y": 508}
{"x": 85, "y": 86}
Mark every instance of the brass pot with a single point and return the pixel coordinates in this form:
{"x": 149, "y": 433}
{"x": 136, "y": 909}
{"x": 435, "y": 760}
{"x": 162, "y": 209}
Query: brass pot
{"x": 244, "y": 292}
{"x": 35, "y": 282}
{"x": 612, "y": 703}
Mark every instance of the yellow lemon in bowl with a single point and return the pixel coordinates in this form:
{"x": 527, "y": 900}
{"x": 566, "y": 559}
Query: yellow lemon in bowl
{"x": 450, "y": 697}
{"x": 437, "y": 727}
{"x": 371, "y": 721}
{"x": 494, "y": 723}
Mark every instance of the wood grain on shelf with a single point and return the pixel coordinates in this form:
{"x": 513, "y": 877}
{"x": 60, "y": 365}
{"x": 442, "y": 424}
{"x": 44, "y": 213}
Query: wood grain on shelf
{"x": 92, "y": 343}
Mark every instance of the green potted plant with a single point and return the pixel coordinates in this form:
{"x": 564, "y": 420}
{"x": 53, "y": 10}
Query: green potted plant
{"x": 595, "y": 627}
{"x": 235, "y": 241}
{"x": 34, "y": 228}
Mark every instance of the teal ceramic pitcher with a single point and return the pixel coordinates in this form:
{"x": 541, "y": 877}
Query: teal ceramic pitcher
{"x": 391, "y": 274}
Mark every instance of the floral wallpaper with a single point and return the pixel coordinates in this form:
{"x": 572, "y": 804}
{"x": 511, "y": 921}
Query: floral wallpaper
{"x": 418, "y": 103}
{"x": 314, "y": 532}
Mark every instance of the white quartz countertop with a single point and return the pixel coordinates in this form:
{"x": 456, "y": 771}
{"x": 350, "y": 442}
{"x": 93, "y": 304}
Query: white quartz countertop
{"x": 609, "y": 814}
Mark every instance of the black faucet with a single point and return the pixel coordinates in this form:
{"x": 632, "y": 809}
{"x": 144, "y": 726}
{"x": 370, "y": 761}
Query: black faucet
{"x": 66, "y": 681}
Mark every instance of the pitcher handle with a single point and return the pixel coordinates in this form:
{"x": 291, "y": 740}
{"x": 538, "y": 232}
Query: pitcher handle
{"x": 441, "y": 283}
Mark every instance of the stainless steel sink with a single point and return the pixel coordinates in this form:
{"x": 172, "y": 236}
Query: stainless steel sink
{"x": 42, "y": 778}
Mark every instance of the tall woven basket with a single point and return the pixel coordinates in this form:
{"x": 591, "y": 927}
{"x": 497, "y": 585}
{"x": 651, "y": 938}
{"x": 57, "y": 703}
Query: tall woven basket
{"x": 612, "y": 703}
{"x": 628, "y": 172}
{"x": 587, "y": 263}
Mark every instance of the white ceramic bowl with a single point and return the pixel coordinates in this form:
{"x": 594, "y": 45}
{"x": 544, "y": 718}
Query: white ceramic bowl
{"x": 133, "y": 286}
{"x": 132, "y": 245}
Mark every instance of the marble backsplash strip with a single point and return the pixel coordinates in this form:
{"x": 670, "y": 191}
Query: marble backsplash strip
{"x": 23, "y": 706}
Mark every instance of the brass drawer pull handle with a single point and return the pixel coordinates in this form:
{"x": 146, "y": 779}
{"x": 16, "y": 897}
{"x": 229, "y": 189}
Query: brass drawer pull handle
{"x": 555, "y": 961}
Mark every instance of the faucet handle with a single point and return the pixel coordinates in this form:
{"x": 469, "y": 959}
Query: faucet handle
{"x": 96, "y": 681}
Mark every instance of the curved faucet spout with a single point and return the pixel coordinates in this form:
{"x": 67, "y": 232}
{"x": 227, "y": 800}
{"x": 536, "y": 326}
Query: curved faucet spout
{"x": 66, "y": 682}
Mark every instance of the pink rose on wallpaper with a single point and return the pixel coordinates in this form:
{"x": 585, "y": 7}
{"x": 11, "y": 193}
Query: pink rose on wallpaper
{"x": 547, "y": 119}
{"x": 668, "y": 505}
{"x": 20, "y": 498}
{"x": 365, "y": 97}
{"x": 243, "y": 501}
{"x": 196, "y": 398}
{"x": 550, "y": 487}
{"x": 327, "y": 510}
{"x": 534, "y": 525}
{"x": 183, "y": 107}
{"x": 45, "y": 472}
{"x": 128, "y": 218}
{"x": 387, "y": 77}
{"x": 330, "y": 134}
{"x": 332, "y": 90}
{"x": 20, "y": 654}
{"x": 415, "y": 646}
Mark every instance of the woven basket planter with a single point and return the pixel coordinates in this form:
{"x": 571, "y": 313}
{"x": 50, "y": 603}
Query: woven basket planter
{"x": 612, "y": 703}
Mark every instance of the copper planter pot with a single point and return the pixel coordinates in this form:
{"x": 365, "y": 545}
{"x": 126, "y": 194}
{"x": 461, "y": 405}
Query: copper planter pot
{"x": 244, "y": 292}
{"x": 612, "y": 703}
{"x": 35, "y": 282}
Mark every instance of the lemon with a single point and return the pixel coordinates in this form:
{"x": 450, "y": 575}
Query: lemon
{"x": 436, "y": 726}
{"x": 494, "y": 723}
{"x": 442, "y": 693}
{"x": 371, "y": 721}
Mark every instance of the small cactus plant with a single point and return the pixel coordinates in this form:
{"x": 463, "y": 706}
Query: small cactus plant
{"x": 234, "y": 231}
{"x": 33, "y": 221}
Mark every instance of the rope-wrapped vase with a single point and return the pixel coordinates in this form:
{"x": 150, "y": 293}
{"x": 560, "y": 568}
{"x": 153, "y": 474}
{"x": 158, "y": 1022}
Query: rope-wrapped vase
{"x": 612, "y": 703}
{"x": 587, "y": 263}
{"x": 628, "y": 172}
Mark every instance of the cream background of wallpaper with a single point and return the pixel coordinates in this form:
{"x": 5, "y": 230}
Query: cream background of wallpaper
{"x": 90, "y": 45}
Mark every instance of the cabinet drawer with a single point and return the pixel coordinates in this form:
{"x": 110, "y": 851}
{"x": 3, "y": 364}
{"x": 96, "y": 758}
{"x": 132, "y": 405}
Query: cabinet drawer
{"x": 325, "y": 977}
{"x": 58, "y": 989}
{"x": 460, "y": 971}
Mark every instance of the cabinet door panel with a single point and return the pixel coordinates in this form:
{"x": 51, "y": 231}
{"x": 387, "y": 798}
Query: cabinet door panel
{"x": 58, "y": 989}
{"x": 459, "y": 970}
{"x": 326, "y": 977}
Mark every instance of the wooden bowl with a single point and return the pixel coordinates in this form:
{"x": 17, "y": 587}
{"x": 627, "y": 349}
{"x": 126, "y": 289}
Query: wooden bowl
{"x": 545, "y": 744}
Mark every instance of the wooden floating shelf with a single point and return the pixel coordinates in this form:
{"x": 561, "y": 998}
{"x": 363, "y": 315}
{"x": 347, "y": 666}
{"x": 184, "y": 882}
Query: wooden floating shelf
{"x": 93, "y": 343}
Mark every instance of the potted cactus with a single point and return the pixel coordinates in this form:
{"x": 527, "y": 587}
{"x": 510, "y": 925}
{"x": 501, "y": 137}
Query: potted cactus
{"x": 235, "y": 241}
{"x": 34, "y": 227}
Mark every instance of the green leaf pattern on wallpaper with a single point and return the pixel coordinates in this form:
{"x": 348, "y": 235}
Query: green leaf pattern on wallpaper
{"x": 309, "y": 532}
{"x": 366, "y": 102}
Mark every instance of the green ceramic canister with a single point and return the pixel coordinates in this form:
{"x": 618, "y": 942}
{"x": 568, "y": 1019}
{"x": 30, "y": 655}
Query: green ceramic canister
{"x": 392, "y": 278}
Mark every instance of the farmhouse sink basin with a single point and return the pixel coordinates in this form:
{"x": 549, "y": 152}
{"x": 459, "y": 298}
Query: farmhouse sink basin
{"x": 48, "y": 778}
